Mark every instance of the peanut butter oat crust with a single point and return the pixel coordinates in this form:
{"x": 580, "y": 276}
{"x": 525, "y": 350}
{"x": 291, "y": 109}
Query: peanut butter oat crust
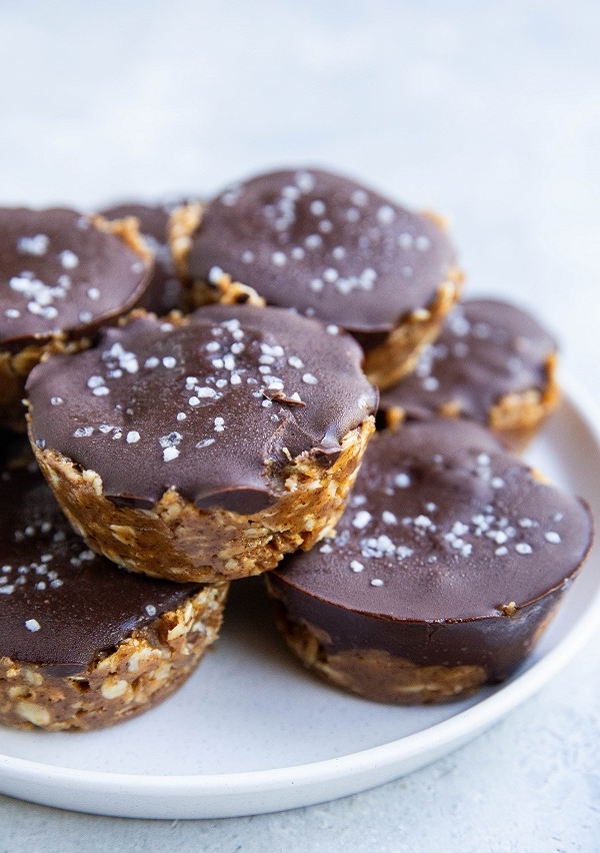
{"x": 204, "y": 448}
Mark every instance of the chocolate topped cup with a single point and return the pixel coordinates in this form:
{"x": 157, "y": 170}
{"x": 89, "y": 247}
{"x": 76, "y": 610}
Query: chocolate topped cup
{"x": 164, "y": 290}
{"x": 492, "y": 363}
{"x": 62, "y": 276}
{"x": 206, "y": 447}
{"x": 329, "y": 247}
{"x": 445, "y": 569}
{"x": 84, "y": 643}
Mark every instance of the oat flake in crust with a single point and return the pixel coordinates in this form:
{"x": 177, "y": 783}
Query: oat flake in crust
{"x": 213, "y": 444}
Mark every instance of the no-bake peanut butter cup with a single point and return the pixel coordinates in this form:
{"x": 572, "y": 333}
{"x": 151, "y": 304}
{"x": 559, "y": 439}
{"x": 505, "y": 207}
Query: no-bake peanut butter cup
{"x": 207, "y": 447}
{"x": 62, "y": 276}
{"x": 445, "y": 569}
{"x": 493, "y": 363}
{"x": 84, "y": 643}
{"x": 329, "y": 247}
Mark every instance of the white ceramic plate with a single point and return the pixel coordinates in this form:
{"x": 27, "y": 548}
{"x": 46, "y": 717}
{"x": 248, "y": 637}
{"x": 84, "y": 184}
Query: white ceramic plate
{"x": 251, "y": 732}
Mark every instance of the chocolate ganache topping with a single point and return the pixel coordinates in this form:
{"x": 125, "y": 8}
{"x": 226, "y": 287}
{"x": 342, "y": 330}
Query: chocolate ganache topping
{"x": 60, "y": 604}
{"x": 487, "y": 349}
{"x": 443, "y": 526}
{"x": 324, "y": 245}
{"x": 164, "y": 291}
{"x": 211, "y": 406}
{"x": 61, "y": 273}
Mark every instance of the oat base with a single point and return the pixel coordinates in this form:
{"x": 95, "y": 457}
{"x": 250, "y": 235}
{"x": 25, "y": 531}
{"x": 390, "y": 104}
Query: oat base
{"x": 375, "y": 674}
{"x": 178, "y": 541}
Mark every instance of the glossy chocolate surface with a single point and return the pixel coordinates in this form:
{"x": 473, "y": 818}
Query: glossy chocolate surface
{"x": 487, "y": 349}
{"x": 59, "y": 272}
{"x": 324, "y": 245}
{"x": 164, "y": 290}
{"x": 443, "y": 527}
{"x": 207, "y": 407}
{"x": 60, "y": 604}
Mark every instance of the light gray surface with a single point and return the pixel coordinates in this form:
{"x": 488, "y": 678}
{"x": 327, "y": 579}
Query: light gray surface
{"x": 488, "y": 112}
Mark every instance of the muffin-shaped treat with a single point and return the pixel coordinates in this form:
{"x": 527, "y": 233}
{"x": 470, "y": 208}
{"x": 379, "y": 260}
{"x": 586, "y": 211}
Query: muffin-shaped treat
{"x": 445, "y": 569}
{"x": 328, "y": 247}
{"x": 206, "y": 447}
{"x": 62, "y": 276}
{"x": 492, "y": 363}
{"x": 164, "y": 290}
{"x": 84, "y": 643}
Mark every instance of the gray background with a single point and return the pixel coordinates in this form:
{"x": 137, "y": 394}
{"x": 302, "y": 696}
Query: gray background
{"x": 488, "y": 112}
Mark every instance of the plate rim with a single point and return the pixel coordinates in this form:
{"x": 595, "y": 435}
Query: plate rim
{"x": 368, "y": 767}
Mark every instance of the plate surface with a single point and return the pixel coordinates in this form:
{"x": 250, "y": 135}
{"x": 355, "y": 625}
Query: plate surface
{"x": 251, "y": 732}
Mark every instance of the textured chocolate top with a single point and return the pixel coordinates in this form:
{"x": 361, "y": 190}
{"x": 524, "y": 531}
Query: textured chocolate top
{"x": 59, "y": 272}
{"x": 60, "y": 604}
{"x": 324, "y": 245}
{"x": 487, "y": 349}
{"x": 164, "y": 291}
{"x": 443, "y": 525}
{"x": 206, "y": 407}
